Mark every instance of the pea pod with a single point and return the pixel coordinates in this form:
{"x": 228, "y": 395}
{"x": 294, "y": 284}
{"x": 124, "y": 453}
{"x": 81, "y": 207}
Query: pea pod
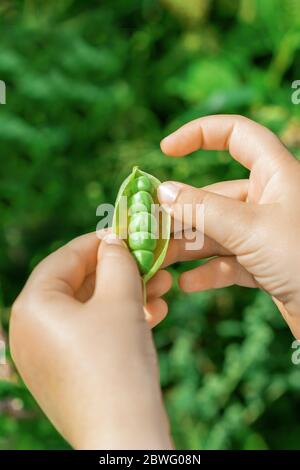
{"x": 145, "y": 230}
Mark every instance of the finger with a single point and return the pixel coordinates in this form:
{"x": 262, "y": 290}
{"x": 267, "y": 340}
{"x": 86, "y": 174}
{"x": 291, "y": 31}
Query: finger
{"x": 117, "y": 275}
{"x": 159, "y": 285}
{"x": 236, "y": 189}
{"x": 87, "y": 287}
{"x": 177, "y": 251}
{"x": 216, "y": 273}
{"x": 155, "y": 311}
{"x": 64, "y": 270}
{"x": 86, "y": 290}
{"x": 221, "y": 218}
{"x": 246, "y": 140}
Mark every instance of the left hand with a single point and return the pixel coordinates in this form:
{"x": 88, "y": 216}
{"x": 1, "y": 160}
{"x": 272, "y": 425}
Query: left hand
{"x": 82, "y": 345}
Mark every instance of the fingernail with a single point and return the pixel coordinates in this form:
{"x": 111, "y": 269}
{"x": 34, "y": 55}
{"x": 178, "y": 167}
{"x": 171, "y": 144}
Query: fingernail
{"x": 103, "y": 232}
{"x": 148, "y": 316}
{"x": 112, "y": 239}
{"x": 168, "y": 192}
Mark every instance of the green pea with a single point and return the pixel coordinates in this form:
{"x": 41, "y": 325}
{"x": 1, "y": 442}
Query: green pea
{"x": 144, "y": 260}
{"x": 141, "y": 241}
{"x": 136, "y": 208}
{"x": 142, "y": 183}
{"x": 145, "y": 228}
{"x": 139, "y": 200}
{"x": 142, "y": 222}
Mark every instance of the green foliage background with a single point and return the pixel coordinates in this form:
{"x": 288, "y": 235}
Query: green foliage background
{"x": 92, "y": 87}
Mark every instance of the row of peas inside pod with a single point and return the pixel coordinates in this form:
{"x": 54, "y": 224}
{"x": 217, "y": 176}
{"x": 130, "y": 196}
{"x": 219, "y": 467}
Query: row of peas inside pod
{"x": 141, "y": 222}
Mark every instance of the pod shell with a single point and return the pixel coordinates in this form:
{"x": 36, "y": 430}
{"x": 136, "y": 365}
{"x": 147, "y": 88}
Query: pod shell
{"x": 164, "y": 219}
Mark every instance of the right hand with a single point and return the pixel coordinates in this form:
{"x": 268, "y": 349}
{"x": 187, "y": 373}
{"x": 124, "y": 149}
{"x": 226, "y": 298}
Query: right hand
{"x": 252, "y": 226}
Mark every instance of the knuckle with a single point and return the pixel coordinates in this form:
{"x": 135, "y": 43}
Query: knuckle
{"x": 17, "y": 306}
{"x": 203, "y": 197}
{"x": 15, "y": 329}
{"x": 186, "y": 195}
{"x": 240, "y": 117}
{"x": 22, "y": 308}
{"x": 74, "y": 255}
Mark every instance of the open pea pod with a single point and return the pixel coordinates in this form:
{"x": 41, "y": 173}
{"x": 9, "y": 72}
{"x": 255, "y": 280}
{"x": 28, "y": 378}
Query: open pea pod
{"x": 141, "y": 221}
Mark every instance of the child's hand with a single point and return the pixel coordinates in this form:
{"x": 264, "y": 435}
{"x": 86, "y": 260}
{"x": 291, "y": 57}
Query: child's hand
{"x": 251, "y": 226}
{"x": 81, "y": 343}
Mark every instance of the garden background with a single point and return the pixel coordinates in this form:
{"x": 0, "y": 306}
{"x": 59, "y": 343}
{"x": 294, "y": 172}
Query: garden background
{"x": 92, "y": 87}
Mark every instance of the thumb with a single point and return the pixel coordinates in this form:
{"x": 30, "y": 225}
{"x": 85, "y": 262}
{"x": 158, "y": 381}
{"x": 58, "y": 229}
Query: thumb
{"x": 117, "y": 275}
{"x": 219, "y": 217}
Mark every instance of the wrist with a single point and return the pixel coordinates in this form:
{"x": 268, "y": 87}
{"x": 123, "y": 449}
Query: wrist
{"x": 130, "y": 415}
{"x": 143, "y": 429}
